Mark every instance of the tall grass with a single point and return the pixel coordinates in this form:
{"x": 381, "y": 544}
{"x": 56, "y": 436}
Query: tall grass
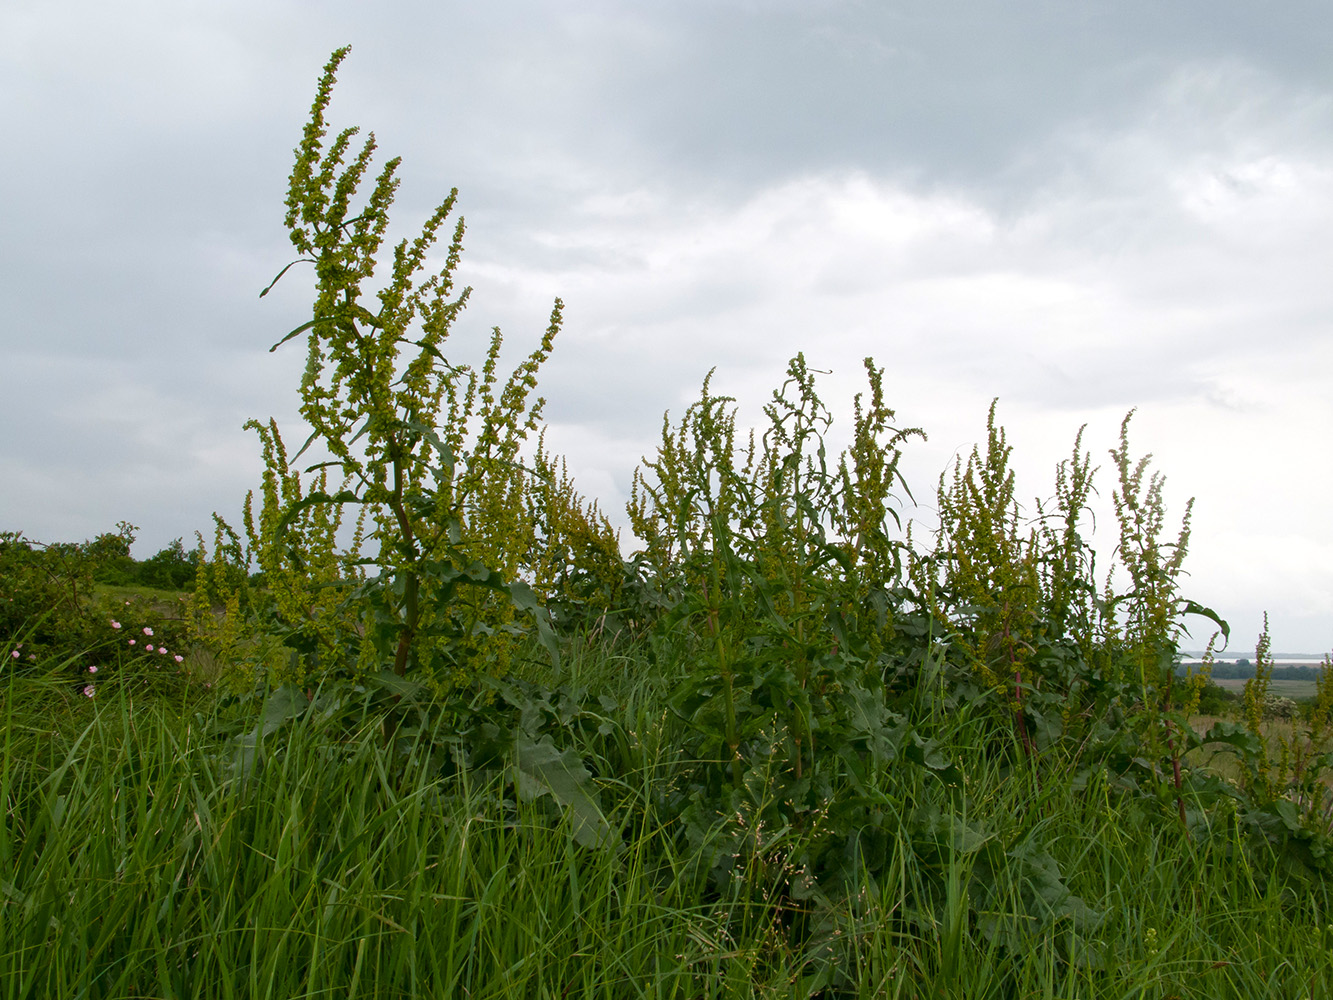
{"x": 136, "y": 861}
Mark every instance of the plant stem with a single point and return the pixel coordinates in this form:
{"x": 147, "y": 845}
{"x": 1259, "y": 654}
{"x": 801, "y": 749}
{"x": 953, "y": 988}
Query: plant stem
{"x": 411, "y": 582}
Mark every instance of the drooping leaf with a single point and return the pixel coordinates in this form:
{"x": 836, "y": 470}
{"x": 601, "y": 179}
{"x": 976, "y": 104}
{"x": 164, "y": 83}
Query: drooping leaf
{"x": 297, "y": 332}
{"x": 1190, "y": 608}
{"x": 300, "y": 260}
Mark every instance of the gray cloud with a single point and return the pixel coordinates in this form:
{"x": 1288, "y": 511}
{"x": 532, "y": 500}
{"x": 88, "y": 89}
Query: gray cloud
{"x": 1079, "y": 208}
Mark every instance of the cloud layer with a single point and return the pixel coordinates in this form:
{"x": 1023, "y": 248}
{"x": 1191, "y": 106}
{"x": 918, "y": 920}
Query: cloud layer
{"x": 1080, "y": 211}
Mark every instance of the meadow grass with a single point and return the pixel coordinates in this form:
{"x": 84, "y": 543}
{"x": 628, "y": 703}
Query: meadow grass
{"x": 1296, "y": 690}
{"x": 136, "y": 861}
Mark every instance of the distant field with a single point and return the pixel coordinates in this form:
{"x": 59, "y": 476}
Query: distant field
{"x": 1295, "y": 690}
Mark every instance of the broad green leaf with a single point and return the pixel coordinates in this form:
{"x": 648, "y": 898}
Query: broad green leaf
{"x": 525, "y": 600}
{"x": 284, "y": 704}
{"x": 544, "y": 769}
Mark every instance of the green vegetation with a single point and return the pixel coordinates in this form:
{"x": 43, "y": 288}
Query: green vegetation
{"x": 460, "y": 746}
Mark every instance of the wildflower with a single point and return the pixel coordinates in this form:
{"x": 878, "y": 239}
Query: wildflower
{"x": 15, "y": 654}
{"x": 131, "y": 642}
{"x": 178, "y": 658}
{"x": 92, "y": 669}
{"x": 162, "y": 650}
{"x": 147, "y": 630}
{"x": 89, "y": 690}
{"x": 149, "y": 647}
{"x": 114, "y": 623}
{"x": 32, "y": 656}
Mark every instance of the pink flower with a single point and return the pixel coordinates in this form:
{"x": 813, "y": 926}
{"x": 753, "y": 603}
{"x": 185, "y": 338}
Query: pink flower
{"x": 131, "y": 642}
{"x": 32, "y": 656}
{"x": 147, "y": 630}
{"x": 92, "y": 669}
{"x": 89, "y": 690}
{"x": 15, "y": 654}
{"x": 114, "y": 623}
{"x": 162, "y": 650}
{"x": 149, "y": 647}
{"x": 178, "y": 658}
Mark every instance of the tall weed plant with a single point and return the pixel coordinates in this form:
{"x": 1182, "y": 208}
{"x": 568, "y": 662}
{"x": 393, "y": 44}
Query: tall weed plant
{"x": 427, "y": 453}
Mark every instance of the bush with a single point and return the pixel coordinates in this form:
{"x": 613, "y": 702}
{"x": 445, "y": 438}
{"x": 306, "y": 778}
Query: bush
{"x": 42, "y": 590}
{"x": 1217, "y": 700}
{"x": 1277, "y": 707}
{"x": 52, "y": 620}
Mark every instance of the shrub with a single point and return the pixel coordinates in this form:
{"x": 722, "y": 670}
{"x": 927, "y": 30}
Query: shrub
{"x": 43, "y": 590}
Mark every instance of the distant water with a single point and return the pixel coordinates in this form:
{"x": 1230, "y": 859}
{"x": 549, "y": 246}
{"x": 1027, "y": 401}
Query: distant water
{"x": 1279, "y": 659}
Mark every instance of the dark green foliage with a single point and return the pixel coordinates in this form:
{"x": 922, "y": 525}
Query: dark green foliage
{"x": 48, "y": 592}
{"x": 43, "y": 595}
{"x": 172, "y": 568}
{"x": 1243, "y": 669}
{"x": 1217, "y": 700}
{"x": 86, "y": 643}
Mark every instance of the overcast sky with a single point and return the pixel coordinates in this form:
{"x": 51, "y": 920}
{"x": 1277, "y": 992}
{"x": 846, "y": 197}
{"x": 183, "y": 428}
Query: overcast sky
{"x": 1080, "y": 208}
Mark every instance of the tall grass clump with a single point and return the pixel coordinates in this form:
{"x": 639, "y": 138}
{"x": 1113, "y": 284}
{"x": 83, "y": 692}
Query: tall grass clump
{"x": 139, "y": 860}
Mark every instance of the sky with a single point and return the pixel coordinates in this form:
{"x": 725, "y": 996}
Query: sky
{"x": 1077, "y": 208}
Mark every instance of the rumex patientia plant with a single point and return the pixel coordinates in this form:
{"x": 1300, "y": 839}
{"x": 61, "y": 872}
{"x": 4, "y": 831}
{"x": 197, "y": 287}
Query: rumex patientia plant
{"x": 990, "y": 571}
{"x": 779, "y": 562}
{"x": 389, "y": 416}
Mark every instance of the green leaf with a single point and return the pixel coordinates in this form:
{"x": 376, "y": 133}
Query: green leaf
{"x": 326, "y": 465}
{"x": 1236, "y": 736}
{"x": 544, "y": 769}
{"x": 427, "y": 432}
{"x": 299, "y": 260}
{"x": 693, "y": 695}
{"x": 525, "y": 600}
{"x": 284, "y": 704}
{"x": 1286, "y": 811}
{"x": 434, "y": 352}
{"x": 968, "y": 838}
{"x": 387, "y": 680}
{"x": 1190, "y": 608}
{"x": 280, "y": 707}
{"x": 295, "y": 333}
{"x": 358, "y": 435}
{"x": 308, "y": 442}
